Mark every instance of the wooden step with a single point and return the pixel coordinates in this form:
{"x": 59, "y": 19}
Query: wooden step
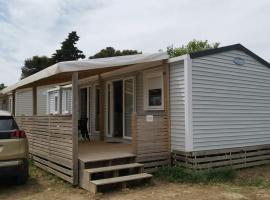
{"x": 114, "y": 168}
{"x": 122, "y": 179}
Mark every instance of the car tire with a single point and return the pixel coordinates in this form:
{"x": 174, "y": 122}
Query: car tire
{"x": 23, "y": 177}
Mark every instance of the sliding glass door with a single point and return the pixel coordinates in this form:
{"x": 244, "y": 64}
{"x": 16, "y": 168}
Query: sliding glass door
{"x": 120, "y": 103}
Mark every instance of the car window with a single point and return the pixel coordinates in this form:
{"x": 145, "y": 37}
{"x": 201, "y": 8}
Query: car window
{"x": 7, "y": 123}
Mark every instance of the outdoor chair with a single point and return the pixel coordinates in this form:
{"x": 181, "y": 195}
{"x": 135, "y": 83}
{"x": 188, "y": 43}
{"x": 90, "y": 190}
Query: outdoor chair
{"x": 83, "y": 128}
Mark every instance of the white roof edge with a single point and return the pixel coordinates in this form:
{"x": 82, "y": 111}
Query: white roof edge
{"x": 178, "y": 58}
{"x": 81, "y": 65}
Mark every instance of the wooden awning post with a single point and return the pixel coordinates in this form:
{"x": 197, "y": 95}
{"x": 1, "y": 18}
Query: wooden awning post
{"x": 13, "y": 103}
{"x": 166, "y": 87}
{"x": 134, "y": 132}
{"x": 34, "y": 100}
{"x": 101, "y": 109}
{"x": 75, "y": 118}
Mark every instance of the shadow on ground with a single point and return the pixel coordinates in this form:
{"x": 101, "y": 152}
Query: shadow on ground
{"x": 9, "y": 188}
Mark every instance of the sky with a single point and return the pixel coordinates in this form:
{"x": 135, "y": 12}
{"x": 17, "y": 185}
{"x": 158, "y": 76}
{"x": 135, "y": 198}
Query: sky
{"x": 37, "y": 27}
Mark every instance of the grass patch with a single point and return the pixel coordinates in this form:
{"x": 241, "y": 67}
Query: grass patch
{"x": 254, "y": 182}
{"x": 183, "y": 175}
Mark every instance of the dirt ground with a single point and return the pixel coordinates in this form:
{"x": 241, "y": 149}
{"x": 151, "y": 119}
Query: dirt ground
{"x": 251, "y": 184}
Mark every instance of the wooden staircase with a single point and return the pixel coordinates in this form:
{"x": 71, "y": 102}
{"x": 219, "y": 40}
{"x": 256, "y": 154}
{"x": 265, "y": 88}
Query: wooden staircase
{"x": 104, "y": 175}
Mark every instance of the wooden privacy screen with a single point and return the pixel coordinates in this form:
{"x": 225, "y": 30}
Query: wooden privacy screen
{"x": 50, "y": 143}
{"x": 151, "y": 141}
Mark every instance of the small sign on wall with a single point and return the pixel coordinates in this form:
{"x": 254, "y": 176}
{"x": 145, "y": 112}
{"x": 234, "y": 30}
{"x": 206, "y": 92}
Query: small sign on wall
{"x": 149, "y": 118}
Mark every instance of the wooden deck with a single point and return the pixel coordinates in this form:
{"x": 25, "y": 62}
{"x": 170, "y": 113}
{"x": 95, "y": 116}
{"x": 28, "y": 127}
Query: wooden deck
{"x": 98, "y": 151}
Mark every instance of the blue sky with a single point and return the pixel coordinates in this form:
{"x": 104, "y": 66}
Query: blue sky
{"x": 36, "y": 27}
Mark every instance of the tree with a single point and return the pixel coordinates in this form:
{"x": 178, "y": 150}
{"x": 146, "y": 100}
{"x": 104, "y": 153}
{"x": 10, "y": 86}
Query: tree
{"x": 191, "y": 47}
{"x": 110, "y": 52}
{"x": 34, "y": 65}
{"x": 2, "y": 86}
{"x": 68, "y": 50}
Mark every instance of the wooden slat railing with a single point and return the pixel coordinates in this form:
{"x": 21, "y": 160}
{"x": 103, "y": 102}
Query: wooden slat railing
{"x": 50, "y": 143}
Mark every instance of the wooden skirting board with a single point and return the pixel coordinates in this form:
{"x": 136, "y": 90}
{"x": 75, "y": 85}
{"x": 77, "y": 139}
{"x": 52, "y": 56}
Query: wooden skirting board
{"x": 235, "y": 157}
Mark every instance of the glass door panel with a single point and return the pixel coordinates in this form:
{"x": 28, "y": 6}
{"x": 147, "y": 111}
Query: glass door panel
{"x": 128, "y": 106}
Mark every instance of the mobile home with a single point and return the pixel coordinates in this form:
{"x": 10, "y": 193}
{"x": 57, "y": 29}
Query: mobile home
{"x": 124, "y": 115}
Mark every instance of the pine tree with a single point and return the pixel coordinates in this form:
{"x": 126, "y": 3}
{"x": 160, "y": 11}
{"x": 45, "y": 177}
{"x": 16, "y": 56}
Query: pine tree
{"x": 68, "y": 50}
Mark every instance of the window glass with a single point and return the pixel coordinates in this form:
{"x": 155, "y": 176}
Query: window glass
{"x": 55, "y": 103}
{"x": 7, "y": 123}
{"x": 67, "y": 101}
{"x": 155, "y": 97}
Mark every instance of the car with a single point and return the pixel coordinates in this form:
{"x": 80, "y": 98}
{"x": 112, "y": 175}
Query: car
{"x": 13, "y": 149}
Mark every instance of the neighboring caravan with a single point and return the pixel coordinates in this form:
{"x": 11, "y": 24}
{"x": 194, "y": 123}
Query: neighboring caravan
{"x": 206, "y": 109}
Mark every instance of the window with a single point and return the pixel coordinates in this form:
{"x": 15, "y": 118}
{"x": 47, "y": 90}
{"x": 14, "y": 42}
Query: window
{"x": 53, "y": 102}
{"x": 66, "y": 101}
{"x": 153, "y": 90}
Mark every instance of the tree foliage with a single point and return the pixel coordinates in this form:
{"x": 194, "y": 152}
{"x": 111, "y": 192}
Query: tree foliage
{"x": 2, "y": 86}
{"x": 68, "y": 50}
{"x": 111, "y": 52}
{"x": 191, "y": 47}
{"x": 34, "y": 65}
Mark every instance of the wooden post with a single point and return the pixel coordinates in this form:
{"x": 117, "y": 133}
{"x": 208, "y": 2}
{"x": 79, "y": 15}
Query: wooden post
{"x": 13, "y": 103}
{"x": 34, "y": 100}
{"x": 101, "y": 109}
{"x": 166, "y": 87}
{"x": 134, "y": 132}
{"x": 75, "y": 118}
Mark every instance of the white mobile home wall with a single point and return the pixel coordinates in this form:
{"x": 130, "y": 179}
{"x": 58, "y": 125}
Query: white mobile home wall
{"x": 230, "y": 104}
{"x": 42, "y": 99}
{"x": 24, "y": 102}
{"x": 177, "y": 105}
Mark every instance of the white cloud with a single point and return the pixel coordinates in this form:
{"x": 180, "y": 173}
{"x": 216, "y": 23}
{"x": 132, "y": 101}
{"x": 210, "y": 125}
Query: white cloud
{"x": 36, "y": 27}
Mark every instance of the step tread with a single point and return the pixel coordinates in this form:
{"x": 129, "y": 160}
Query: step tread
{"x": 114, "y": 167}
{"x": 121, "y": 179}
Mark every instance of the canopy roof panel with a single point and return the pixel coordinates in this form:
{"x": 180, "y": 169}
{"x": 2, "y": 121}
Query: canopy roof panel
{"x": 87, "y": 65}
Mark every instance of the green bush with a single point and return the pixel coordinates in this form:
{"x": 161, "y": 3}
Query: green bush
{"x": 184, "y": 175}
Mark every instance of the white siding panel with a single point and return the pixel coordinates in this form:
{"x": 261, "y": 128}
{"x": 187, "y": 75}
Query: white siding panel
{"x": 42, "y": 99}
{"x": 177, "y": 106}
{"x": 231, "y": 106}
{"x": 24, "y": 102}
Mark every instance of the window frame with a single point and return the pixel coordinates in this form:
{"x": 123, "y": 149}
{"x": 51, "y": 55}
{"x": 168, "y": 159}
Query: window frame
{"x": 157, "y": 73}
{"x": 65, "y": 99}
{"x": 55, "y": 92}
